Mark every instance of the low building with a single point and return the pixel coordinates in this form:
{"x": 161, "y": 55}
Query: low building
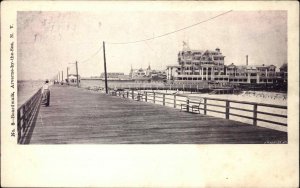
{"x": 147, "y": 75}
{"x": 72, "y": 79}
{"x": 116, "y": 76}
{"x": 283, "y": 72}
{"x": 112, "y": 75}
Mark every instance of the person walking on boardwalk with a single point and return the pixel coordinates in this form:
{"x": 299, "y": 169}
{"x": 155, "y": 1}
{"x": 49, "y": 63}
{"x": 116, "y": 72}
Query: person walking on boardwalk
{"x": 46, "y": 94}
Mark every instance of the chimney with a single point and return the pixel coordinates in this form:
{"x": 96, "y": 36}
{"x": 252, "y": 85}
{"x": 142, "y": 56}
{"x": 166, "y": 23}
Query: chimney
{"x": 247, "y": 60}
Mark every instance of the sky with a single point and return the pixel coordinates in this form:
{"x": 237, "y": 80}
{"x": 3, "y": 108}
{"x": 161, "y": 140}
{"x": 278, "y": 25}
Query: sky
{"x": 49, "y": 42}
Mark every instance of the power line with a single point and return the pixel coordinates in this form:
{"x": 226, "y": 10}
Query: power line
{"x": 93, "y": 55}
{"x": 162, "y": 35}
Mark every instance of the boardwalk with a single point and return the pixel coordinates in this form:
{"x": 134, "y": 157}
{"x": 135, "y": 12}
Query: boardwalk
{"x": 79, "y": 116}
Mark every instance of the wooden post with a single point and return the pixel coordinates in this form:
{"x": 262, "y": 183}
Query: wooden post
{"x": 153, "y": 97}
{"x": 205, "y": 106}
{"x": 132, "y": 94}
{"x": 127, "y": 94}
{"x": 105, "y": 73}
{"x": 68, "y": 74}
{"x": 175, "y": 101}
{"x": 164, "y": 98}
{"x": 187, "y": 104}
{"x": 146, "y": 96}
{"x": 227, "y": 109}
{"x": 62, "y": 76}
{"x": 255, "y": 114}
{"x": 77, "y": 74}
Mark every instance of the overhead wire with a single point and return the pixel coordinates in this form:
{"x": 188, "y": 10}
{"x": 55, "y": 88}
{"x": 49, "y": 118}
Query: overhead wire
{"x": 172, "y": 32}
{"x": 93, "y": 55}
{"x": 155, "y": 37}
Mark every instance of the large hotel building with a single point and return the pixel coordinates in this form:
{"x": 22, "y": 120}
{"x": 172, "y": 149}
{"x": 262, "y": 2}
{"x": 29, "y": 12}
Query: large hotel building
{"x": 198, "y": 66}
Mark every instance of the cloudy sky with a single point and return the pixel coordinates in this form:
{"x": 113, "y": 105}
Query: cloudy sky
{"x": 49, "y": 41}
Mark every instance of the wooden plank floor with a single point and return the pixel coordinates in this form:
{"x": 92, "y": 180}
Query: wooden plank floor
{"x": 79, "y": 116}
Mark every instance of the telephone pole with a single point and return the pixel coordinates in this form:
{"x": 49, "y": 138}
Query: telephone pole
{"x": 67, "y": 73}
{"x": 105, "y": 73}
{"x": 77, "y": 73}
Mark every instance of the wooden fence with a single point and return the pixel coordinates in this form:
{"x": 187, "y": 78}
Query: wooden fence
{"x": 27, "y": 113}
{"x": 229, "y": 108}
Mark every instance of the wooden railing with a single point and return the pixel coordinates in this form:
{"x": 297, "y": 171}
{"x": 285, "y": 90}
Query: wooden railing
{"x": 27, "y": 113}
{"x": 229, "y": 108}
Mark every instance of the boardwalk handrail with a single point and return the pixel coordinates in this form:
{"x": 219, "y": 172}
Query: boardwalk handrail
{"x": 26, "y": 114}
{"x": 159, "y": 97}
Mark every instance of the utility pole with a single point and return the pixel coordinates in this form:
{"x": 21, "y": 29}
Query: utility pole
{"x": 105, "y": 73}
{"x": 67, "y": 75}
{"x": 77, "y": 73}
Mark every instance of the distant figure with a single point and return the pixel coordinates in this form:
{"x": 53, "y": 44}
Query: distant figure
{"x": 46, "y": 94}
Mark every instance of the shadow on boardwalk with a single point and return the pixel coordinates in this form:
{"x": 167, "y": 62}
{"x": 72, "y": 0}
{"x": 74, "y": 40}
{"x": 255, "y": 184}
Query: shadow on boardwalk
{"x": 79, "y": 116}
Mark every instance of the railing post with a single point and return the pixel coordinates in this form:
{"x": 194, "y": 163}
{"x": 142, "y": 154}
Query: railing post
{"x": 132, "y": 94}
{"x": 227, "y": 109}
{"x": 164, "y": 99}
{"x": 255, "y": 114}
{"x": 187, "y": 104}
{"x": 146, "y": 96}
{"x": 154, "y": 97}
{"x": 205, "y": 106}
{"x": 174, "y": 101}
